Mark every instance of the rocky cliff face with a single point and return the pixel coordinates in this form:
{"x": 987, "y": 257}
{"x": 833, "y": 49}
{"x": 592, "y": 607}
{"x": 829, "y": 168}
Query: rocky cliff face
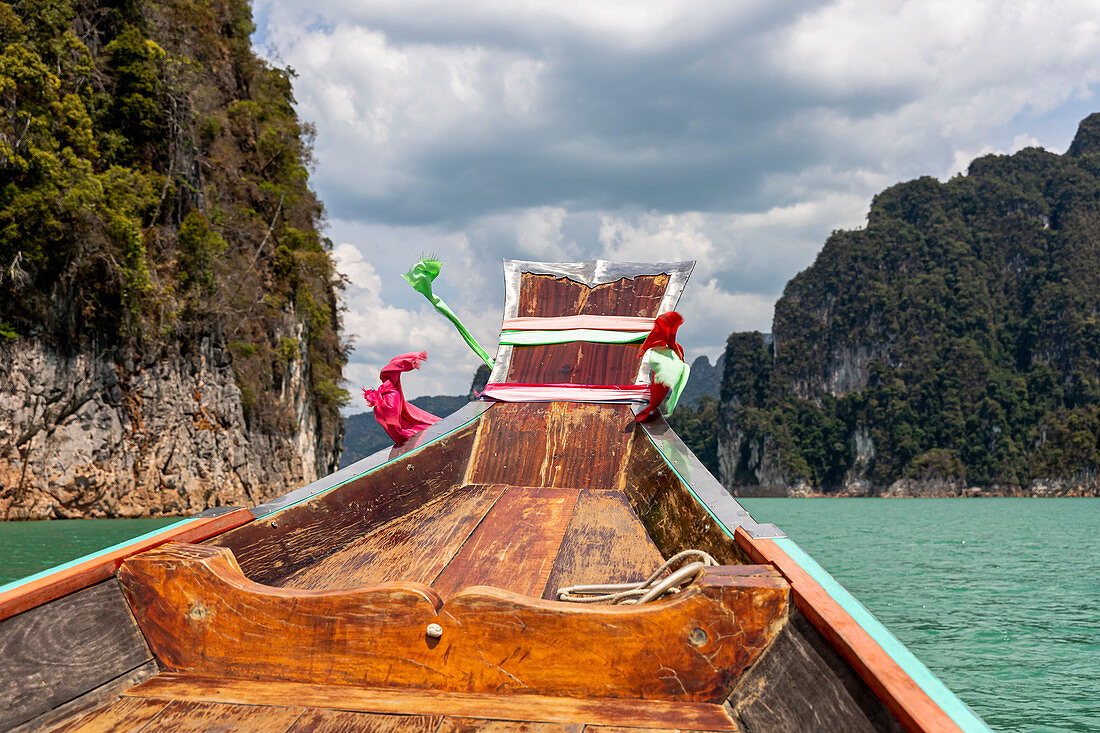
{"x": 949, "y": 348}
{"x": 89, "y": 434}
{"x": 169, "y": 321}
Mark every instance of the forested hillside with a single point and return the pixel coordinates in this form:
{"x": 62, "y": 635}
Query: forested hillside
{"x": 951, "y": 346}
{"x": 168, "y": 315}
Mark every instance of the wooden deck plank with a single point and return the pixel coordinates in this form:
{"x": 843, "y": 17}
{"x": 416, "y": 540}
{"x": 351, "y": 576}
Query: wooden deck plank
{"x": 57, "y": 652}
{"x": 625, "y": 729}
{"x": 124, "y": 714}
{"x": 183, "y": 716}
{"x": 480, "y": 725}
{"x": 641, "y": 713}
{"x": 515, "y": 545}
{"x": 413, "y": 548}
{"x": 558, "y": 444}
{"x": 342, "y": 721}
{"x": 604, "y": 543}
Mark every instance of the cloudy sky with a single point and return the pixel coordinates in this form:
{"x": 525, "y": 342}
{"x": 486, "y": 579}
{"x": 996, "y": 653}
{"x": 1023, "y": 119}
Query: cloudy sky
{"x": 739, "y": 134}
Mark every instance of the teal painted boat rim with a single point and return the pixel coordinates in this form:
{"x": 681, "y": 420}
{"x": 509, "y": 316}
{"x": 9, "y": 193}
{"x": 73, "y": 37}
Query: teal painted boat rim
{"x": 937, "y": 691}
{"x": 98, "y": 553}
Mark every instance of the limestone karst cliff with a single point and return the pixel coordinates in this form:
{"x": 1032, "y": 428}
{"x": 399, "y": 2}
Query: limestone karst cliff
{"x": 949, "y": 347}
{"x": 169, "y": 325}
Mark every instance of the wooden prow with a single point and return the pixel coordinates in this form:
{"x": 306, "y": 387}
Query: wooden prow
{"x": 201, "y": 615}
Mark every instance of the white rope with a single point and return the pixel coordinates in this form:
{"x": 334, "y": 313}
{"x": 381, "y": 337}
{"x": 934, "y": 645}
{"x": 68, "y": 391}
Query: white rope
{"x": 652, "y": 588}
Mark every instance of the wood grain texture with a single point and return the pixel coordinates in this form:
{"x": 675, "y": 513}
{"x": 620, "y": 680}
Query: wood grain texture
{"x": 470, "y": 725}
{"x": 515, "y": 545}
{"x": 545, "y": 296}
{"x": 903, "y": 697}
{"x": 54, "y": 653}
{"x": 123, "y": 714}
{"x": 279, "y": 545}
{"x": 63, "y": 582}
{"x": 673, "y": 518}
{"x": 577, "y": 362}
{"x": 558, "y": 444}
{"x": 604, "y": 543}
{"x": 181, "y": 716}
{"x": 342, "y": 721}
{"x": 624, "y": 729}
{"x": 90, "y": 700}
{"x": 201, "y": 615}
{"x": 415, "y": 547}
{"x": 641, "y": 713}
{"x": 802, "y": 683}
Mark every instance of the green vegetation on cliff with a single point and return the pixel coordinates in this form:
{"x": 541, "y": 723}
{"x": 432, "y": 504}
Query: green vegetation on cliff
{"x": 956, "y": 336}
{"x": 154, "y": 189}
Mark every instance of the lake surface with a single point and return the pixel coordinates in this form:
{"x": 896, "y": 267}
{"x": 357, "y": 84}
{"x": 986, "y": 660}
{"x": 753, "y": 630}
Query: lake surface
{"x": 999, "y": 597}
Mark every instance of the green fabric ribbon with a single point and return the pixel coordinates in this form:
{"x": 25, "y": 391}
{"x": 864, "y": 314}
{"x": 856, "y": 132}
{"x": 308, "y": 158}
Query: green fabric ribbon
{"x": 592, "y": 335}
{"x": 421, "y": 276}
{"x": 671, "y": 371}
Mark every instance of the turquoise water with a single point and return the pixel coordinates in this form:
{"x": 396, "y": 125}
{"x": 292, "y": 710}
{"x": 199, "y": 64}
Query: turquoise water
{"x": 28, "y": 547}
{"x": 999, "y": 597}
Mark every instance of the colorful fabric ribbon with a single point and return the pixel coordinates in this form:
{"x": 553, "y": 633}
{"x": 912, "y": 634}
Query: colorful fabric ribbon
{"x": 545, "y": 338}
{"x": 399, "y": 418}
{"x": 668, "y": 371}
{"x": 421, "y": 277}
{"x": 520, "y": 392}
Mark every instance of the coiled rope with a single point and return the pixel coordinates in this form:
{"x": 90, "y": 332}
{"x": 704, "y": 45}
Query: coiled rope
{"x": 652, "y": 588}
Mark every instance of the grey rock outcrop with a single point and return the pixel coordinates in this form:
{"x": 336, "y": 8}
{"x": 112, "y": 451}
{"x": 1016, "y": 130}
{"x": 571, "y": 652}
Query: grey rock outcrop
{"x": 88, "y": 434}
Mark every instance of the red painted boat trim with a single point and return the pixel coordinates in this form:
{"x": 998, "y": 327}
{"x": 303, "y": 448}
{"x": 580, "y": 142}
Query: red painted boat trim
{"x": 70, "y": 579}
{"x": 903, "y": 697}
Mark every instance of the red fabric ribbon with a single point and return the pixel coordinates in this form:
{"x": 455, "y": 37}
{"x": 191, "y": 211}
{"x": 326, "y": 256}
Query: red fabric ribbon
{"x": 664, "y": 334}
{"x": 657, "y": 394}
{"x": 398, "y": 418}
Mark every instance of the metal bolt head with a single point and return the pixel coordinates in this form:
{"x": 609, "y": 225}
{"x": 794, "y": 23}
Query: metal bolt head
{"x": 434, "y": 631}
{"x": 697, "y": 637}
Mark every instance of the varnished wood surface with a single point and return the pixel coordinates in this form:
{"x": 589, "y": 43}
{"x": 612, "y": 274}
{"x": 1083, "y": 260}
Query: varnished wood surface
{"x": 201, "y": 615}
{"x": 515, "y": 545}
{"x": 279, "y": 545}
{"x": 61, "y": 583}
{"x": 577, "y": 362}
{"x": 558, "y": 444}
{"x": 185, "y": 716}
{"x": 639, "y": 713}
{"x": 415, "y": 547}
{"x": 801, "y": 683}
{"x": 673, "y": 518}
{"x": 124, "y": 714}
{"x": 342, "y": 721}
{"x": 57, "y": 652}
{"x": 604, "y": 543}
{"x": 546, "y": 296}
{"x": 890, "y": 683}
{"x": 469, "y": 725}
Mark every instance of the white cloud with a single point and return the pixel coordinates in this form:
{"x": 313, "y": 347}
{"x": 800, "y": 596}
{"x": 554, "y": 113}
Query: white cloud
{"x": 737, "y": 134}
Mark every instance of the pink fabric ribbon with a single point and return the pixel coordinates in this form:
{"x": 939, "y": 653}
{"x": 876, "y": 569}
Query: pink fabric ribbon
{"x": 520, "y": 392}
{"x": 565, "y": 323}
{"x": 398, "y": 418}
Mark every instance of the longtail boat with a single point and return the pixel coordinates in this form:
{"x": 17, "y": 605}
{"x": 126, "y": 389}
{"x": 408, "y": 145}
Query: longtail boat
{"x": 422, "y": 587}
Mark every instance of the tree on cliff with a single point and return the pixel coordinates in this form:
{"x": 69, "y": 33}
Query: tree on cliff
{"x": 955, "y": 336}
{"x": 154, "y": 192}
